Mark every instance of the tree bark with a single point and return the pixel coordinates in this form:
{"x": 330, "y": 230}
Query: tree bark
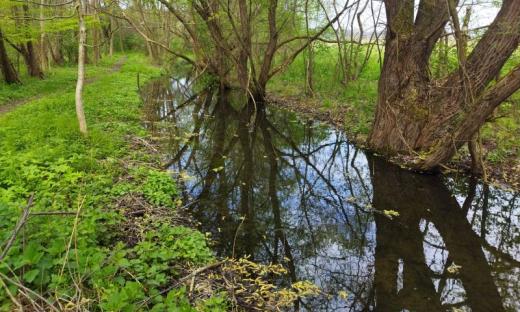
{"x": 44, "y": 61}
{"x": 8, "y": 70}
{"x": 28, "y": 50}
{"x": 55, "y": 51}
{"x": 31, "y": 60}
{"x": 96, "y": 33}
{"x": 433, "y": 119}
{"x": 81, "y": 68}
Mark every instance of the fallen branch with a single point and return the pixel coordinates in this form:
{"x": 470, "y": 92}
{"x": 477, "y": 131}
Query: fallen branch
{"x": 18, "y": 227}
{"x": 52, "y": 213}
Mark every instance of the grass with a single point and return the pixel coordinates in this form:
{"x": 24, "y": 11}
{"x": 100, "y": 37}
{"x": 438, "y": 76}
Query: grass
{"x": 80, "y": 258}
{"x": 95, "y": 255}
{"x": 56, "y": 79}
{"x": 359, "y": 95}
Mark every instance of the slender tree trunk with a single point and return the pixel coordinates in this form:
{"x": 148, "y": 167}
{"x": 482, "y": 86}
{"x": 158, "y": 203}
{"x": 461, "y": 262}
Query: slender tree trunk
{"x": 43, "y": 44}
{"x": 8, "y": 71}
{"x": 309, "y": 61}
{"x": 81, "y": 68}
{"x": 432, "y": 120}
{"x": 245, "y": 46}
{"x": 120, "y": 36}
{"x": 265, "y": 75}
{"x": 111, "y": 37}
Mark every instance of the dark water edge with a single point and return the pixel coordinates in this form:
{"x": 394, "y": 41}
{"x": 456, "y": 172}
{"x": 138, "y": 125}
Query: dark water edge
{"x": 282, "y": 189}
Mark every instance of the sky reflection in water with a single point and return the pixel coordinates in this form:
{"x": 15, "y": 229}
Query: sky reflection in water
{"x": 328, "y": 212}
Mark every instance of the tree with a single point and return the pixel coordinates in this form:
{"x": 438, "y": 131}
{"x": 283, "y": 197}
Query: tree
{"x": 432, "y": 119}
{"x": 8, "y": 71}
{"x": 82, "y": 37}
{"x": 239, "y": 41}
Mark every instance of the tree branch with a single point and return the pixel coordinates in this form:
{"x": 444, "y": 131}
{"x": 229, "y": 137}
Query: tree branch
{"x": 309, "y": 41}
{"x": 182, "y": 56}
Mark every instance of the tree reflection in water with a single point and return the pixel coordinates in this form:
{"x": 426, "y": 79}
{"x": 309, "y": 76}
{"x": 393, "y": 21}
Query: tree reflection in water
{"x": 280, "y": 189}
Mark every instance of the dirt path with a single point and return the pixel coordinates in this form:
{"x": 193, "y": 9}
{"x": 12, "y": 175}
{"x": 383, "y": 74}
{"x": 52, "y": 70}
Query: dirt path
{"x": 14, "y": 104}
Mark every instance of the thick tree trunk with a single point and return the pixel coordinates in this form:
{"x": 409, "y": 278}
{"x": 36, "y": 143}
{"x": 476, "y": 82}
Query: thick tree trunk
{"x": 8, "y": 71}
{"x": 431, "y": 120}
{"x": 55, "y": 50}
{"x": 96, "y": 33}
{"x": 31, "y": 60}
{"x": 27, "y": 49}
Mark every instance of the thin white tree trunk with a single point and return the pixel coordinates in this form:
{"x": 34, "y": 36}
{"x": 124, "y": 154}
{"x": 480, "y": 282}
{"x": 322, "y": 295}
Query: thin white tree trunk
{"x": 81, "y": 68}
{"x": 43, "y": 48}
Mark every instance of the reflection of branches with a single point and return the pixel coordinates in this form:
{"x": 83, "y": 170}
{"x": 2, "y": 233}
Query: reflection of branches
{"x": 275, "y": 202}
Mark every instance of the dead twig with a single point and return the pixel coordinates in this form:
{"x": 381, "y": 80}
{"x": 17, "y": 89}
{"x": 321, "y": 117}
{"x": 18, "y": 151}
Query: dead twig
{"x": 19, "y": 225}
{"x": 52, "y": 213}
{"x": 29, "y": 291}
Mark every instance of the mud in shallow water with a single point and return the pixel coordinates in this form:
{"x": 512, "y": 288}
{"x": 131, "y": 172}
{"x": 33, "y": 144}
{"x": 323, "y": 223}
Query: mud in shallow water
{"x": 282, "y": 189}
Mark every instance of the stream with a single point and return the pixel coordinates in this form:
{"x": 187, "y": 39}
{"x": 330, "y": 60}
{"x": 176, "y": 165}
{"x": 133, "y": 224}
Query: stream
{"x": 283, "y": 189}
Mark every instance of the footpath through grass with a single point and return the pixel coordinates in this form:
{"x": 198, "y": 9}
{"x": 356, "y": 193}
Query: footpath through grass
{"x": 57, "y": 79}
{"x": 77, "y": 249}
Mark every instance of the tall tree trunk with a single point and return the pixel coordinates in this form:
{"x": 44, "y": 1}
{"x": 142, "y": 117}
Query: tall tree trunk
{"x": 81, "y": 68}
{"x": 418, "y": 117}
{"x": 111, "y": 34}
{"x": 96, "y": 34}
{"x": 28, "y": 50}
{"x": 8, "y": 71}
{"x": 55, "y": 50}
{"x": 31, "y": 60}
{"x": 265, "y": 74}
{"x": 245, "y": 46}
{"x": 43, "y": 44}
{"x": 120, "y": 36}
{"x": 309, "y": 61}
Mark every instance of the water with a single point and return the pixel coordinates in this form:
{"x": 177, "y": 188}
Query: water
{"x": 286, "y": 190}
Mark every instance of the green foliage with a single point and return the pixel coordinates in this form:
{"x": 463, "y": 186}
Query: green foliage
{"x": 359, "y": 96}
{"x": 44, "y": 153}
{"x": 133, "y": 274}
{"x": 159, "y": 188}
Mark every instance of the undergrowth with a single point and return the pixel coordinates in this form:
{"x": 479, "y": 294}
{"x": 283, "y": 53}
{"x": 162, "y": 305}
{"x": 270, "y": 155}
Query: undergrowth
{"x": 69, "y": 254}
{"x": 104, "y": 232}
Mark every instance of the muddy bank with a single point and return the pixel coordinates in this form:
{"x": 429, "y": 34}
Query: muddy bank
{"x": 505, "y": 174}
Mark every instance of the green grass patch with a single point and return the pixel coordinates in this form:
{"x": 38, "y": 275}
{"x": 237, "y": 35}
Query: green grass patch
{"x": 56, "y": 79}
{"x": 81, "y": 261}
{"x": 359, "y": 95}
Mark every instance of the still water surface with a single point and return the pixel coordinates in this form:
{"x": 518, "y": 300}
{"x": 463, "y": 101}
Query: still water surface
{"x": 374, "y": 237}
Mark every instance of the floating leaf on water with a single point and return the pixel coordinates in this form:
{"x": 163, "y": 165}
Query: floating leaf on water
{"x": 343, "y": 294}
{"x": 454, "y": 269}
{"x": 391, "y": 213}
{"x": 218, "y": 169}
{"x": 351, "y": 199}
